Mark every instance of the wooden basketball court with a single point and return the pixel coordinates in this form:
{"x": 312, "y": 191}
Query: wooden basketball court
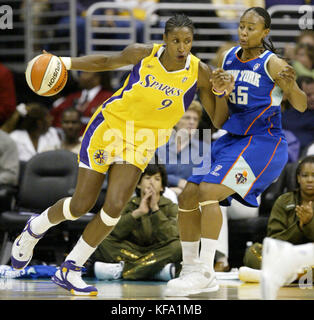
{"x": 44, "y": 289}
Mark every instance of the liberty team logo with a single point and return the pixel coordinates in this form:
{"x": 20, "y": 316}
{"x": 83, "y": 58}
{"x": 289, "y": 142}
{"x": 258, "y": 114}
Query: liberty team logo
{"x": 241, "y": 178}
{"x": 100, "y": 157}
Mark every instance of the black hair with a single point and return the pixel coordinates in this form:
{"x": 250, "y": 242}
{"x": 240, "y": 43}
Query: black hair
{"x": 267, "y": 24}
{"x": 35, "y": 113}
{"x": 152, "y": 169}
{"x": 179, "y": 21}
{"x": 308, "y": 159}
{"x": 71, "y": 109}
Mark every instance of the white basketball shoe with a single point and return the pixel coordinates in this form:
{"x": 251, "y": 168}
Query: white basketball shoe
{"x": 69, "y": 277}
{"x": 23, "y": 246}
{"x": 194, "y": 278}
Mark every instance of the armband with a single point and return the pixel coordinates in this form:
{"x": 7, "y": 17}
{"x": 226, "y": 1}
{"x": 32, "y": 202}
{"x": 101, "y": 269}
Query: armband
{"x": 67, "y": 62}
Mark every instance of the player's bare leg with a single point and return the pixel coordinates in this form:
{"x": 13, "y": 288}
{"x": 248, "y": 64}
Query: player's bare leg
{"x": 70, "y": 208}
{"x": 197, "y": 271}
{"x": 118, "y": 193}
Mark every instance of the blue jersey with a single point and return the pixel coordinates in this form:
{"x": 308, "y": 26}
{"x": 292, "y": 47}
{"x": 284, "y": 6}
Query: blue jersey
{"x": 254, "y": 104}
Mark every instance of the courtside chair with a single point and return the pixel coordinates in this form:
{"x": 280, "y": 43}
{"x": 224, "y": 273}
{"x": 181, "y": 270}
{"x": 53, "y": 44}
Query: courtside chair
{"x": 47, "y": 177}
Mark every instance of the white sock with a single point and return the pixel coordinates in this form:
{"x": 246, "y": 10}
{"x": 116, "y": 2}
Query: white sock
{"x": 190, "y": 251}
{"x": 208, "y": 250}
{"x": 41, "y": 223}
{"x": 304, "y": 254}
{"x": 81, "y": 252}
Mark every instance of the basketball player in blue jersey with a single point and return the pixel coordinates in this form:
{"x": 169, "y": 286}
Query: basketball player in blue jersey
{"x": 243, "y": 162}
{"x": 159, "y": 89}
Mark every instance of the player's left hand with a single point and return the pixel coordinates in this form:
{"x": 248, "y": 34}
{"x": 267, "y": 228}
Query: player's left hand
{"x": 288, "y": 75}
{"x": 222, "y": 80}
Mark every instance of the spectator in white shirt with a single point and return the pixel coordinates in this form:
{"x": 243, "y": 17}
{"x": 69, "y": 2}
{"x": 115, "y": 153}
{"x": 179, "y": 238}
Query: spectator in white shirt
{"x": 34, "y": 133}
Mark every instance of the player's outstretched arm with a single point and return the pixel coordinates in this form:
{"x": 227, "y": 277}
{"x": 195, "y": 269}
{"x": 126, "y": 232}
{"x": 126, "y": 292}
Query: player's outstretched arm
{"x": 284, "y": 76}
{"x": 131, "y": 55}
{"x": 215, "y": 106}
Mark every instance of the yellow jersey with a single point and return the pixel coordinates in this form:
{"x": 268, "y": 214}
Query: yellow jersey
{"x": 139, "y": 117}
{"x": 152, "y": 97}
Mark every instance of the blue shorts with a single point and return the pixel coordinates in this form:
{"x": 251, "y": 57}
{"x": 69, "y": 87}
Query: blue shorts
{"x": 246, "y": 164}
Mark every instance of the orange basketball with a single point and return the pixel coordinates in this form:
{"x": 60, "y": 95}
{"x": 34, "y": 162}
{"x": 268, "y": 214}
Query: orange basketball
{"x": 46, "y": 74}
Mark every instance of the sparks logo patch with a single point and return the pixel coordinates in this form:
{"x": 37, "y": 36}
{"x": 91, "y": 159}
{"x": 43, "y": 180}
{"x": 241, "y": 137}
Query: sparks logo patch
{"x": 100, "y": 157}
{"x": 241, "y": 178}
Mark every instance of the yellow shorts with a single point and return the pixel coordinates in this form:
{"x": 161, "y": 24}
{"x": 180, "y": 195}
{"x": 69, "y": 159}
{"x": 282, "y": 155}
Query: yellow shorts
{"x": 102, "y": 146}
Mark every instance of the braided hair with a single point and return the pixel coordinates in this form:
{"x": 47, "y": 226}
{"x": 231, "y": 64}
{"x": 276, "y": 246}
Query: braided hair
{"x": 267, "y": 23}
{"x": 179, "y": 21}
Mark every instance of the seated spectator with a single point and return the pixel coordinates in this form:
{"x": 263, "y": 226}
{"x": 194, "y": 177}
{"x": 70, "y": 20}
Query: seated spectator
{"x": 303, "y": 62}
{"x": 303, "y": 129}
{"x": 291, "y": 218}
{"x": 34, "y": 133}
{"x": 38, "y": 8}
{"x": 231, "y": 16}
{"x": 9, "y": 160}
{"x": 71, "y": 129}
{"x": 95, "y": 89}
{"x": 81, "y": 8}
{"x": 7, "y": 94}
{"x": 306, "y": 37}
{"x": 184, "y": 149}
{"x": 9, "y": 170}
{"x": 145, "y": 243}
{"x": 139, "y": 10}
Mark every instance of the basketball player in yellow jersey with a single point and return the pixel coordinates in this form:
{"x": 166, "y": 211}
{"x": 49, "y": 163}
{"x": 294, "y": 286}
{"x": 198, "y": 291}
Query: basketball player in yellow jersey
{"x": 155, "y": 95}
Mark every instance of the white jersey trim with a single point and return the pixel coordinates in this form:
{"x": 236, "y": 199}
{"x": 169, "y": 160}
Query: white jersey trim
{"x": 265, "y": 67}
{"x": 225, "y": 57}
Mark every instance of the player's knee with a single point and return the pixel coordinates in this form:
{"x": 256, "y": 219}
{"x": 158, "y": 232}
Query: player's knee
{"x": 74, "y": 208}
{"x": 188, "y": 197}
{"x": 115, "y": 207}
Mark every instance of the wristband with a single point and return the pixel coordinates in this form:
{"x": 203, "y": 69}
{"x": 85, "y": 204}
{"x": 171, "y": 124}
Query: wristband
{"x": 67, "y": 62}
{"x": 220, "y": 94}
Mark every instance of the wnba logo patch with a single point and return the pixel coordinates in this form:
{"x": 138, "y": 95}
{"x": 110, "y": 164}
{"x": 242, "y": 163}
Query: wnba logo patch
{"x": 241, "y": 177}
{"x": 256, "y": 66}
{"x": 100, "y": 157}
